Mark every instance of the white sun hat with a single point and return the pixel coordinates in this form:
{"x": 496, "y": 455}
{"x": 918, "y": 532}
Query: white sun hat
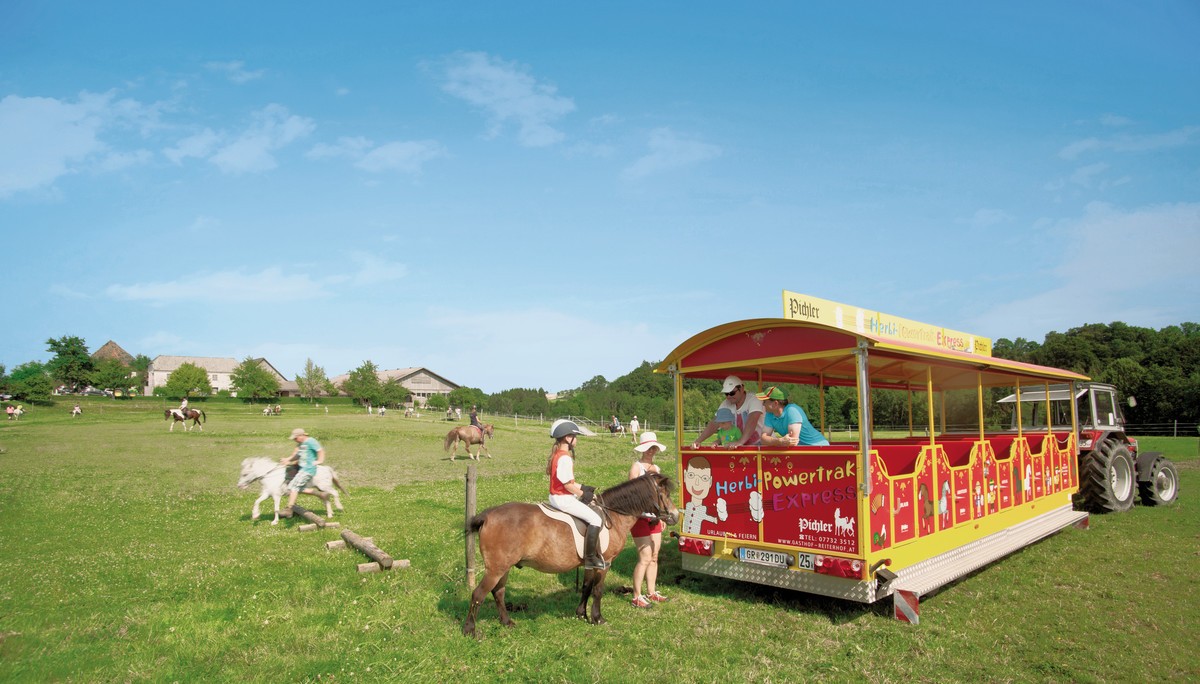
{"x": 649, "y": 439}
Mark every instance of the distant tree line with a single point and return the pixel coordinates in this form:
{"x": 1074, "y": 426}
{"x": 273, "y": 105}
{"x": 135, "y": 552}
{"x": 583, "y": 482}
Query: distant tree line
{"x": 1161, "y": 368}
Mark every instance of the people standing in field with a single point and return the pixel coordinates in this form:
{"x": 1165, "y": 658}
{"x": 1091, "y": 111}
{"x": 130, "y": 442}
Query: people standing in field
{"x": 786, "y": 424}
{"x": 634, "y": 426}
{"x": 308, "y": 454}
{"x": 647, "y": 530}
{"x": 747, "y": 413}
{"x": 567, "y": 495}
{"x": 10, "y": 410}
{"x": 76, "y": 411}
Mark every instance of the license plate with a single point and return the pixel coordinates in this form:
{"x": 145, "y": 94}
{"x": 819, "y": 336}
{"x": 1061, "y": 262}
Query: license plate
{"x": 774, "y": 559}
{"x": 806, "y": 561}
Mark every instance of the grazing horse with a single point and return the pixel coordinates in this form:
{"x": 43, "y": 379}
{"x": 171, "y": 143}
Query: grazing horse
{"x": 181, "y": 416}
{"x": 272, "y": 474}
{"x": 521, "y": 534}
{"x": 469, "y": 435}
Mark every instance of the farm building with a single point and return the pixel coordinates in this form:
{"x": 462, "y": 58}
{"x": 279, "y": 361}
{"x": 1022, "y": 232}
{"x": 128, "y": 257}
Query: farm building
{"x": 220, "y": 372}
{"x": 421, "y": 383}
{"x": 112, "y": 350}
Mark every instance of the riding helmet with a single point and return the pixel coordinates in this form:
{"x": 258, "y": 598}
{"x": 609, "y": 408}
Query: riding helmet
{"x": 563, "y": 427}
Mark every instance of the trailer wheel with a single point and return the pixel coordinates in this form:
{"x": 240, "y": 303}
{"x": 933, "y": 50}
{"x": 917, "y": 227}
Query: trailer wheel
{"x": 1163, "y": 486}
{"x": 1107, "y": 478}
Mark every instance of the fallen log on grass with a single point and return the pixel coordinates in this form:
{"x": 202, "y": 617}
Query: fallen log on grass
{"x": 368, "y": 548}
{"x": 315, "y": 522}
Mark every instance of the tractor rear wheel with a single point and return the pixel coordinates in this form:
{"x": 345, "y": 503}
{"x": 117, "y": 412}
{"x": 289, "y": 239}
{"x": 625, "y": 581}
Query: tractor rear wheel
{"x": 1163, "y": 486}
{"x": 1106, "y": 481}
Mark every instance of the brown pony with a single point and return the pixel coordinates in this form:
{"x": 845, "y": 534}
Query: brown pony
{"x": 521, "y": 534}
{"x": 196, "y": 416}
{"x": 468, "y": 435}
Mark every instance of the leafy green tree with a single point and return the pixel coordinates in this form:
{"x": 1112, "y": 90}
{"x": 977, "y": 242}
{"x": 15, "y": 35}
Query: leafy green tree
{"x": 437, "y": 402}
{"x": 31, "y": 382}
{"x": 313, "y": 382}
{"x": 364, "y": 384}
{"x": 189, "y": 380}
{"x": 520, "y": 401}
{"x": 254, "y": 382}
{"x": 112, "y": 374}
{"x": 141, "y": 366}
{"x": 71, "y": 365}
{"x": 468, "y": 396}
{"x": 393, "y": 393}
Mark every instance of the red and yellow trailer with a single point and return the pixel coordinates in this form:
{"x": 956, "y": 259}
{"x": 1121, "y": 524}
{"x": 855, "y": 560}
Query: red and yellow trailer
{"x": 873, "y": 514}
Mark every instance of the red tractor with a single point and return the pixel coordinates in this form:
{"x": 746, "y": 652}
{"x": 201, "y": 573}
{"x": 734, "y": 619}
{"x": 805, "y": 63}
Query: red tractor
{"x": 1111, "y": 469}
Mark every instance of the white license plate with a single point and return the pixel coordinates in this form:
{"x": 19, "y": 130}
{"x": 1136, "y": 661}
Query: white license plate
{"x": 806, "y": 561}
{"x": 775, "y": 559}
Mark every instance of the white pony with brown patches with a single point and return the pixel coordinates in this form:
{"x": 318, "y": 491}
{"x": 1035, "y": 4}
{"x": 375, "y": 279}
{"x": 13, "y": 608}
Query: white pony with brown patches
{"x": 325, "y": 485}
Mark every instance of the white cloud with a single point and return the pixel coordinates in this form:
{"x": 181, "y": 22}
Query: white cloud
{"x": 273, "y": 128}
{"x": 669, "y": 152}
{"x": 236, "y": 71}
{"x": 1115, "y": 266}
{"x": 199, "y": 145}
{"x": 509, "y": 95}
{"x": 118, "y": 161}
{"x": 272, "y": 284}
{"x": 1114, "y": 120}
{"x": 1083, "y": 175}
{"x": 986, "y": 218}
{"x": 353, "y": 148}
{"x": 268, "y": 285}
{"x": 373, "y": 270}
{"x": 43, "y": 139}
{"x": 406, "y": 156}
{"x": 1188, "y": 135}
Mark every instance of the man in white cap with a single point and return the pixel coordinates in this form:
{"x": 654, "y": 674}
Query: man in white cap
{"x": 309, "y": 455}
{"x": 747, "y": 412}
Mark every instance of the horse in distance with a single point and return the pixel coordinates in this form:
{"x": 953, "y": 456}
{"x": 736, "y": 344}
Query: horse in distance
{"x": 180, "y": 416}
{"x": 469, "y": 436}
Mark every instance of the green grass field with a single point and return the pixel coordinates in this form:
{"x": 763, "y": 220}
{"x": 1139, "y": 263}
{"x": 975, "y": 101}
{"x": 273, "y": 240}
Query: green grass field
{"x": 129, "y": 555}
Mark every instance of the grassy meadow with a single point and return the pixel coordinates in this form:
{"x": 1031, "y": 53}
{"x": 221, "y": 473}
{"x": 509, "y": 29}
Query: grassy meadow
{"x": 129, "y": 555}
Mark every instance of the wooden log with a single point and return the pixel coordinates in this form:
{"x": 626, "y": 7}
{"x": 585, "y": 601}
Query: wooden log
{"x": 335, "y": 545}
{"x": 375, "y": 567}
{"x": 309, "y": 527}
{"x": 368, "y": 547}
{"x": 309, "y": 516}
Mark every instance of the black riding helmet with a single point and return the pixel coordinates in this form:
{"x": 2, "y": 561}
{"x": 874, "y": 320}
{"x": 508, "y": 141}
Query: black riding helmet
{"x": 563, "y": 427}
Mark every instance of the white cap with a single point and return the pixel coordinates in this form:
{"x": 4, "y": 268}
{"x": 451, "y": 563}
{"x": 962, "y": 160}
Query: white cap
{"x": 731, "y": 383}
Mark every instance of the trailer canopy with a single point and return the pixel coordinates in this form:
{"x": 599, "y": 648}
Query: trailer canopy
{"x": 777, "y": 350}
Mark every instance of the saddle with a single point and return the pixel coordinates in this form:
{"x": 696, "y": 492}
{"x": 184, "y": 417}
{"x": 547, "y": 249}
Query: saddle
{"x": 578, "y": 527}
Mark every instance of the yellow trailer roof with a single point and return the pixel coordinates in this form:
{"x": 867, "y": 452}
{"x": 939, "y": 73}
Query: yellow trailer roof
{"x": 783, "y": 350}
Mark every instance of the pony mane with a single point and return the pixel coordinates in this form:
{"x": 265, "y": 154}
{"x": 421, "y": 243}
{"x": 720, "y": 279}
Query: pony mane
{"x": 636, "y": 496}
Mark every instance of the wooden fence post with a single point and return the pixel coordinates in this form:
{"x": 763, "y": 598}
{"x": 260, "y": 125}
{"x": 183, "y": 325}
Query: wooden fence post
{"x": 470, "y": 537}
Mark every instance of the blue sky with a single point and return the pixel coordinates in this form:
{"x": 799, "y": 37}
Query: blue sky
{"x": 530, "y": 194}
